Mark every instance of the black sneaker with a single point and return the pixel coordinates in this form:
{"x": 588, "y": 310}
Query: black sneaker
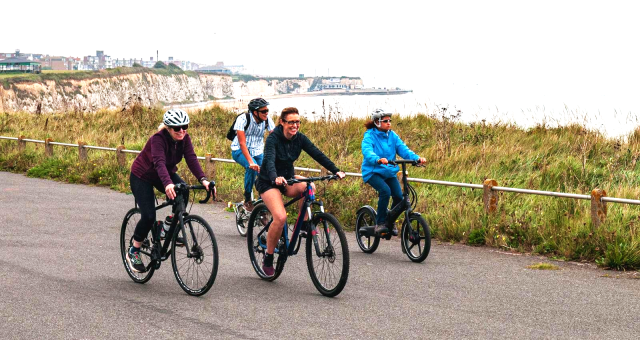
{"x": 135, "y": 262}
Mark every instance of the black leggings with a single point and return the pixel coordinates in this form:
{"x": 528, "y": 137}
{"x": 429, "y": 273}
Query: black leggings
{"x": 146, "y": 201}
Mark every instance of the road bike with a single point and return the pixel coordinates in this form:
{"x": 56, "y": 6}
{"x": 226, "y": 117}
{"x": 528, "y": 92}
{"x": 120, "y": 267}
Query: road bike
{"x": 415, "y": 236}
{"x": 242, "y": 215}
{"x": 195, "y": 256}
{"x": 327, "y": 251}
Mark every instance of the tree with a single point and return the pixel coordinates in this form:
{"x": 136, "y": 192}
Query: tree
{"x": 160, "y": 64}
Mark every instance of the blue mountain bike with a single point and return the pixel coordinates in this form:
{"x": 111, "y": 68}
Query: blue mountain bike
{"x": 327, "y": 251}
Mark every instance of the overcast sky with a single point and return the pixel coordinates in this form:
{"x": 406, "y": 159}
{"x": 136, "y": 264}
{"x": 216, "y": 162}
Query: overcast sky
{"x": 587, "y": 47}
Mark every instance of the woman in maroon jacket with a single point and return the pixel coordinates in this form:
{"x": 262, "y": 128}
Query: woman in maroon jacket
{"x": 156, "y": 167}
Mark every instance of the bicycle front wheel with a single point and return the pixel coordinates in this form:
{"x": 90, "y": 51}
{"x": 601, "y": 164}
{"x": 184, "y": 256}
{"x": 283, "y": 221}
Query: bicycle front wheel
{"x": 257, "y": 230}
{"x": 126, "y": 240}
{"x": 416, "y": 238}
{"x": 197, "y": 268}
{"x": 328, "y": 264}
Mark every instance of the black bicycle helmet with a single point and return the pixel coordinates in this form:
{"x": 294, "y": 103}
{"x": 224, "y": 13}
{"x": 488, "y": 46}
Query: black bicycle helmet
{"x": 257, "y": 103}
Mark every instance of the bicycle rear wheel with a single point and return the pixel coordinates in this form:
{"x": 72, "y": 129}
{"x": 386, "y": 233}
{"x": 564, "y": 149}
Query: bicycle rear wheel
{"x": 330, "y": 269}
{"x": 416, "y": 238}
{"x": 195, "y": 273}
{"x": 242, "y": 218}
{"x": 126, "y": 240}
{"x": 366, "y": 219}
{"x": 257, "y": 229}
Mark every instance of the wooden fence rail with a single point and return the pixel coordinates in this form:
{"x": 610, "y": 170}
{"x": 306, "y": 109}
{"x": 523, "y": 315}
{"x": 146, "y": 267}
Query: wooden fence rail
{"x": 490, "y": 187}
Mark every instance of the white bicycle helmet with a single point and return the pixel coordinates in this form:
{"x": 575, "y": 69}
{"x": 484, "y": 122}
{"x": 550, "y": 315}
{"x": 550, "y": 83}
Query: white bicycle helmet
{"x": 377, "y": 114}
{"x": 175, "y": 117}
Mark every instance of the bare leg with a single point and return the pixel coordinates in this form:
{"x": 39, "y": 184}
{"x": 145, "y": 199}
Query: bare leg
{"x": 273, "y": 200}
{"x": 296, "y": 190}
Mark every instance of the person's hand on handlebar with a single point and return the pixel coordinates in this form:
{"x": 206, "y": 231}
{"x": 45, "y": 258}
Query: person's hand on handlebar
{"x": 340, "y": 174}
{"x": 206, "y": 184}
{"x": 281, "y": 181}
{"x": 170, "y": 191}
{"x": 422, "y": 160}
{"x": 383, "y": 161}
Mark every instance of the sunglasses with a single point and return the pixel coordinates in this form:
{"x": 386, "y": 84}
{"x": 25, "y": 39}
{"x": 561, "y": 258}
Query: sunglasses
{"x": 385, "y": 120}
{"x": 181, "y": 127}
{"x": 291, "y": 122}
{"x": 263, "y": 111}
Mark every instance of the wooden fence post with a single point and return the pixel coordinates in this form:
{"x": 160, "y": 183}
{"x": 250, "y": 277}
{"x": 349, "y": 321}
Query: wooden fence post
{"x": 598, "y": 207}
{"x": 48, "y": 148}
{"x": 490, "y": 197}
{"x": 209, "y": 167}
{"x": 82, "y": 151}
{"x": 120, "y": 156}
{"x": 21, "y": 144}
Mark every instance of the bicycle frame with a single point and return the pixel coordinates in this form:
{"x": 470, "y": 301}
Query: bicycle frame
{"x": 405, "y": 204}
{"x": 160, "y": 250}
{"x": 293, "y": 244}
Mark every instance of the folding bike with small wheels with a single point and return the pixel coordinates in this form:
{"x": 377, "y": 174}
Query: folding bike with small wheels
{"x": 415, "y": 236}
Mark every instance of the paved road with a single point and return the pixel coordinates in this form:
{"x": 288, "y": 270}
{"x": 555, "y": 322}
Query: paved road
{"x": 62, "y": 278}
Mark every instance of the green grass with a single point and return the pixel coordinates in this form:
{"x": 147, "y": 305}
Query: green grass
{"x": 544, "y": 266}
{"x": 565, "y": 159}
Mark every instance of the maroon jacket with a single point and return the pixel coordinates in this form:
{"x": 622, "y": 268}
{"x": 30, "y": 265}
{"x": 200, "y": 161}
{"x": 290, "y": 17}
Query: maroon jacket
{"x": 160, "y": 156}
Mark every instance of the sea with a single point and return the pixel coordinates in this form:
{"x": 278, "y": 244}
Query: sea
{"x": 615, "y": 115}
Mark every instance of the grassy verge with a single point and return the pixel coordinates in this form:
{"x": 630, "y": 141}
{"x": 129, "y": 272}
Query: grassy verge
{"x": 567, "y": 159}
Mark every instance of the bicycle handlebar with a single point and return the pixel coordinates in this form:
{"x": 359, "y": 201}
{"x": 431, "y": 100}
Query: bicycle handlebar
{"x": 401, "y": 161}
{"x": 211, "y": 192}
{"x": 309, "y": 179}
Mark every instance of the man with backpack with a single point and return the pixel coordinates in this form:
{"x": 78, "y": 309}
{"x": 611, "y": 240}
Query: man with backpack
{"x": 248, "y": 144}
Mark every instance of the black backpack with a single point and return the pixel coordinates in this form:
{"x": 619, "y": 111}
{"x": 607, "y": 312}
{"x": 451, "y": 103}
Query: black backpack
{"x": 231, "y": 134}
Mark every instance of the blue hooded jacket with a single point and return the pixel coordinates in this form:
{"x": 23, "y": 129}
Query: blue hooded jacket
{"x": 377, "y": 144}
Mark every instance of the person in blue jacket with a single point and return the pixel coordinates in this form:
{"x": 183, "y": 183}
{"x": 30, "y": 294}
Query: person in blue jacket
{"x": 379, "y": 145}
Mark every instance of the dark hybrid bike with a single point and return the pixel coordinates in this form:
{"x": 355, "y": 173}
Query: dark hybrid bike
{"x": 242, "y": 215}
{"x": 415, "y": 237}
{"x": 327, "y": 251}
{"x": 195, "y": 258}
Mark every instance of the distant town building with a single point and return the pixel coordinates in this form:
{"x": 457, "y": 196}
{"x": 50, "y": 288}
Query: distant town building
{"x": 19, "y": 65}
{"x": 337, "y": 83}
{"x": 101, "y": 61}
{"x": 220, "y": 67}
